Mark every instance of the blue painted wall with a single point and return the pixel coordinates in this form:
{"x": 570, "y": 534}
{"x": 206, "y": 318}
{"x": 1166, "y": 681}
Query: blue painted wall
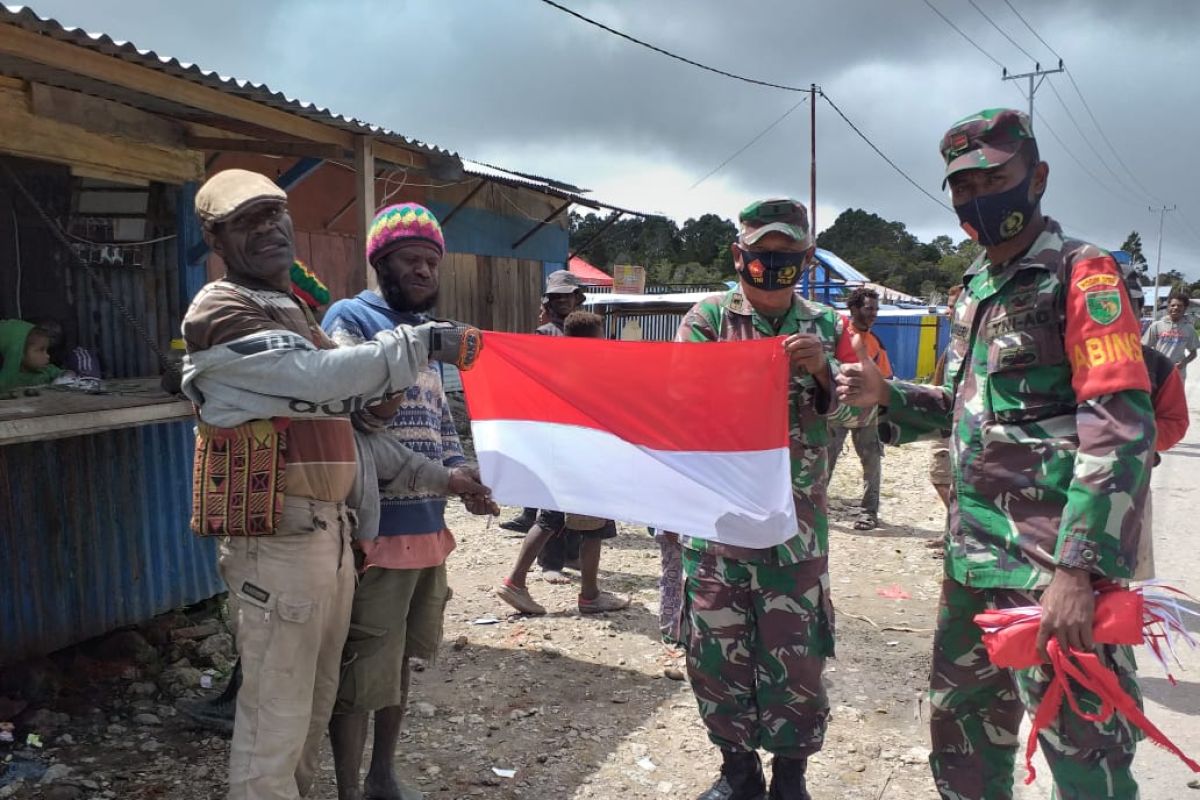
{"x": 94, "y": 535}
{"x": 483, "y": 233}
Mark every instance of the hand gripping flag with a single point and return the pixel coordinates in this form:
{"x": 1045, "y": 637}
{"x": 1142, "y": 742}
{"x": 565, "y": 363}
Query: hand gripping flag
{"x": 1147, "y": 614}
{"x": 688, "y": 438}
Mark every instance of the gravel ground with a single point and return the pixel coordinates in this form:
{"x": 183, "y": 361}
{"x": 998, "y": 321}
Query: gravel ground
{"x": 578, "y": 706}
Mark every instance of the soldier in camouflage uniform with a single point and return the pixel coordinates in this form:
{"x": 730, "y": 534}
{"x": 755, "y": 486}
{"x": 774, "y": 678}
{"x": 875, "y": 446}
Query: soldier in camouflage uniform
{"x": 1052, "y": 431}
{"x": 758, "y": 624}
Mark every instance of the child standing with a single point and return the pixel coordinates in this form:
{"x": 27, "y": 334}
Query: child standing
{"x": 592, "y": 530}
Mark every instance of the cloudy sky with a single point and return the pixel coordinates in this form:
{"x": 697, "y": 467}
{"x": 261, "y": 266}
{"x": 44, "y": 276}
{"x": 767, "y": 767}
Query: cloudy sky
{"x": 520, "y": 84}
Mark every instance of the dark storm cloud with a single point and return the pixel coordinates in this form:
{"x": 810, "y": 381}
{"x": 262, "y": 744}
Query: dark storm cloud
{"x": 497, "y": 76}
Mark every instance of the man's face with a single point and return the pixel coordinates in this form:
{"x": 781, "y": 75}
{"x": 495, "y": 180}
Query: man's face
{"x": 864, "y": 316}
{"x": 37, "y": 353}
{"x": 972, "y": 183}
{"x": 561, "y": 305}
{"x": 1175, "y": 310}
{"x": 409, "y": 277}
{"x": 258, "y": 242}
{"x": 775, "y": 242}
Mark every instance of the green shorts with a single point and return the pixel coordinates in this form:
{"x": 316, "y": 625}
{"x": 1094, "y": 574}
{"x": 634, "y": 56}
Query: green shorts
{"x": 397, "y": 614}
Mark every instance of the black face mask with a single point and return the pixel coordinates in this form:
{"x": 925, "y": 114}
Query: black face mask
{"x": 770, "y": 270}
{"x": 994, "y": 219}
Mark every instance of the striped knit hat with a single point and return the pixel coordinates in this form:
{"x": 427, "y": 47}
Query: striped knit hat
{"x": 400, "y": 224}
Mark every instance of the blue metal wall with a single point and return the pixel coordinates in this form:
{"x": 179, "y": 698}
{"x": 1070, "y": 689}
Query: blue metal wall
{"x": 94, "y": 529}
{"x": 902, "y": 338}
{"x": 94, "y": 535}
{"x": 485, "y": 233}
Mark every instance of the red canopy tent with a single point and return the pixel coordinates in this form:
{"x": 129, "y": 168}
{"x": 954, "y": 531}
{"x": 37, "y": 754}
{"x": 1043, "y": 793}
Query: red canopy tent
{"x": 589, "y": 275}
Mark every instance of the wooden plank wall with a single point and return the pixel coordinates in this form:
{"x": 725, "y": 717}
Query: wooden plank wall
{"x": 48, "y": 138}
{"x": 496, "y": 294}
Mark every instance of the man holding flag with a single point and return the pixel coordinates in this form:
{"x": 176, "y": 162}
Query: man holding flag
{"x": 1051, "y": 434}
{"x": 758, "y": 623}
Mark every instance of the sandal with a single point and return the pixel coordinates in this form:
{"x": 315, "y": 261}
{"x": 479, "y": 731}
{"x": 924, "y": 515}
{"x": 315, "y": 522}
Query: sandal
{"x": 520, "y": 599}
{"x": 866, "y": 522}
{"x": 602, "y": 603}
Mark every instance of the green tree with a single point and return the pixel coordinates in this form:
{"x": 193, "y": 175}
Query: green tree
{"x": 705, "y": 242}
{"x": 1133, "y": 246}
{"x": 886, "y": 251}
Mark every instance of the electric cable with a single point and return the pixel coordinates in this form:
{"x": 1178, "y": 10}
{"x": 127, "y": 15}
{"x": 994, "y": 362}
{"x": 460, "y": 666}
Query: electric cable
{"x": 669, "y": 54}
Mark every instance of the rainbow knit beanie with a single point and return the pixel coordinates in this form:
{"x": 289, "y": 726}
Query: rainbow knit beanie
{"x": 400, "y": 224}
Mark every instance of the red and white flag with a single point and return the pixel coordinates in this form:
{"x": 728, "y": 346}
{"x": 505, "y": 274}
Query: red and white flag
{"x": 681, "y": 437}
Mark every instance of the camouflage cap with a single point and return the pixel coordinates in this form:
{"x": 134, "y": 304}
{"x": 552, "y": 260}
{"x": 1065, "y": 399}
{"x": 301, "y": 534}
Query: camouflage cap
{"x": 781, "y": 214}
{"x": 985, "y": 140}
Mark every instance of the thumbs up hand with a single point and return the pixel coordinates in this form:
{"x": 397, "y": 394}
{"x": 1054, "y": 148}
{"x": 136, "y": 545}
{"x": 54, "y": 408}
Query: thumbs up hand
{"x": 861, "y": 385}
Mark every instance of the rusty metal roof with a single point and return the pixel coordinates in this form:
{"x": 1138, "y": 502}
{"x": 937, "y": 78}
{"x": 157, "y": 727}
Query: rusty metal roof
{"x": 546, "y": 186}
{"x": 24, "y": 18}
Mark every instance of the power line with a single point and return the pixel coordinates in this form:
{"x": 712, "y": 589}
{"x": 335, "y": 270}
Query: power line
{"x": 1186, "y": 225}
{"x": 1041, "y": 118}
{"x": 1031, "y": 30}
{"x": 1011, "y": 40}
{"x": 1104, "y": 136}
{"x": 958, "y": 30}
{"x": 669, "y": 54}
{"x": 1088, "y": 142}
{"x": 1087, "y": 107}
{"x": 881, "y": 154}
{"x": 748, "y": 144}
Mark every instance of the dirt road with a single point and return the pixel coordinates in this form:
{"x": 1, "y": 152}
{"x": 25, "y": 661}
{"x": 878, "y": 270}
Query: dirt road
{"x": 578, "y": 707}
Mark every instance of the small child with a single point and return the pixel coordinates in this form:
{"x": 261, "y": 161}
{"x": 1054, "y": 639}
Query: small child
{"x": 77, "y": 360}
{"x": 592, "y": 530}
{"x": 25, "y": 350}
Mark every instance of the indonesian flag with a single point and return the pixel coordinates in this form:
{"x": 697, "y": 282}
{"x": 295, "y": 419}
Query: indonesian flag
{"x": 690, "y": 438}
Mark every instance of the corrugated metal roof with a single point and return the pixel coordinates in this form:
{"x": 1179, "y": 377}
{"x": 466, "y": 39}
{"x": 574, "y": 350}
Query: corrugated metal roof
{"x": 25, "y": 18}
{"x": 520, "y": 180}
{"x": 840, "y": 268}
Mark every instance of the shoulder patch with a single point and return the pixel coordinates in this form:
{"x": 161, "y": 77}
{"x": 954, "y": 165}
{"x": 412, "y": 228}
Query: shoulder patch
{"x": 1103, "y": 338}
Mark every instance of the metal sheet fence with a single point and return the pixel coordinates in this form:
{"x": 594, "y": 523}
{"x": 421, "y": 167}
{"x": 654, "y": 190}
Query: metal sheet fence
{"x": 649, "y": 327}
{"x": 94, "y": 535}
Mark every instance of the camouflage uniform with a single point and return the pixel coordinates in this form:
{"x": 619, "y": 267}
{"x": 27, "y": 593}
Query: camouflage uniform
{"x": 1045, "y": 398}
{"x": 758, "y": 624}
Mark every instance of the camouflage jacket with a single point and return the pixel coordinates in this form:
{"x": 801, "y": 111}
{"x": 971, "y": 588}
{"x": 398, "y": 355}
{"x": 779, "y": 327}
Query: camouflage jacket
{"x": 1045, "y": 396}
{"x": 730, "y": 317}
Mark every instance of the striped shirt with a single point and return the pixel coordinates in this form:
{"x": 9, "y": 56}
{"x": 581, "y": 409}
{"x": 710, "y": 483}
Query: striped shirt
{"x": 412, "y": 528}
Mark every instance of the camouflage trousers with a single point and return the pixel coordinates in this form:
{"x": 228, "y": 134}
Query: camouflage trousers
{"x": 757, "y": 636}
{"x": 976, "y": 713}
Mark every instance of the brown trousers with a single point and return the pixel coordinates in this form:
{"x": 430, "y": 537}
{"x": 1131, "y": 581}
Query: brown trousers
{"x": 289, "y": 598}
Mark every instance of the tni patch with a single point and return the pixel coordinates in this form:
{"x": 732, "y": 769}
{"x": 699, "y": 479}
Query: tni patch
{"x": 1104, "y": 306}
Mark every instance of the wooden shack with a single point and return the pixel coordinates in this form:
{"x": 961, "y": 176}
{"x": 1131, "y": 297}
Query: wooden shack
{"x": 103, "y": 149}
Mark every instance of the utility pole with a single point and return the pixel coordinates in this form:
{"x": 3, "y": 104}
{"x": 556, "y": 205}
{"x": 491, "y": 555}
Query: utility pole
{"x": 1038, "y": 73}
{"x": 1162, "y": 215}
{"x": 812, "y": 183}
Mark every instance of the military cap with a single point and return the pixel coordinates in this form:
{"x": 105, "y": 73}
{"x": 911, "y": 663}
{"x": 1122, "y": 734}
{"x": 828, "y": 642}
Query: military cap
{"x": 985, "y": 140}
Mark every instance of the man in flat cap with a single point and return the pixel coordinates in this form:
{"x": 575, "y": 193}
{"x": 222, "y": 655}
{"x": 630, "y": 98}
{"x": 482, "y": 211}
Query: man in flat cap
{"x": 1046, "y": 402}
{"x": 275, "y": 465}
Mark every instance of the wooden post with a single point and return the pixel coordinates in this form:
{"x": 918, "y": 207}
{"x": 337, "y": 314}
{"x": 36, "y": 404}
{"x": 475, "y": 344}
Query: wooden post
{"x": 364, "y": 197}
